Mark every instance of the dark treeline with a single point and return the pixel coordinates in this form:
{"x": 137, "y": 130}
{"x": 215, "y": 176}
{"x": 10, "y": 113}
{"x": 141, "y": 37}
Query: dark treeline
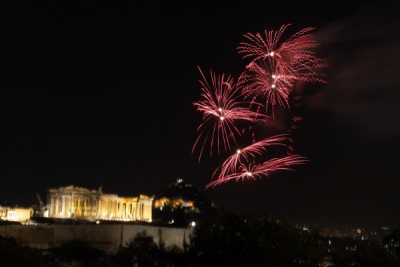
{"x": 224, "y": 240}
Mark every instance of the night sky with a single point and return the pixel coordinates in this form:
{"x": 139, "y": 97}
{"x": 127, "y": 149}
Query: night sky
{"x": 100, "y": 94}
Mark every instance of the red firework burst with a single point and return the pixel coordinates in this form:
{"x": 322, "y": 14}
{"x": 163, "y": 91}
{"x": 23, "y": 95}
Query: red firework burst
{"x": 221, "y": 107}
{"x": 265, "y": 169}
{"x": 263, "y": 80}
{"x": 246, "y": 154}
{"x": 277, "y": 62}
{"x": 294, "y": 56}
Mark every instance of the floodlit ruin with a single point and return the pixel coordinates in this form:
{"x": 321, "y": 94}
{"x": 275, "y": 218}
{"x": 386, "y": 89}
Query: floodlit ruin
{"x": 11, "y": 214}
{"x": 80, "y": 203}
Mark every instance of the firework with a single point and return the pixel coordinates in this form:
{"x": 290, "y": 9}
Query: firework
{"x": 246, "y": 154}
{"x": 277, "y": 63}
{"x": 294, "y": 56}
{"x": 221, "y": 108}
{"x": 249, "y": 172}
{"x": 261, "y": 80}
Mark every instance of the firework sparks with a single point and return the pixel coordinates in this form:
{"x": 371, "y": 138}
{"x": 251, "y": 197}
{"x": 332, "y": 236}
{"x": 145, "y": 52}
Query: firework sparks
{"x": 294, "y": 55}
{"x": 252, "y": 172}
{"x": 221, "y": 108}
{"x": 246, "y": 154}
{"x": 262, "y": 80}
{"x": 278, "y": 61}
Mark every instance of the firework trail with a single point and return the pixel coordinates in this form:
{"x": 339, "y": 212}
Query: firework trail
{"x": 221, "y": 108}
{"x": 246, "y": 154}
{"x": 249, "y": 172}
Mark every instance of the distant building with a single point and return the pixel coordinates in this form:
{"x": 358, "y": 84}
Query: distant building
{"x": 173, "y": 202}
{"x": 181, "y": 204}
{"x": 80, "y": 203}
{"x": 21, "y": 215}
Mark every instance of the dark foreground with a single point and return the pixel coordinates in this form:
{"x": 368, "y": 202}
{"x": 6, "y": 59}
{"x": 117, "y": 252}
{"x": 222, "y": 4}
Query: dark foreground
{"x": 227, "y": 240}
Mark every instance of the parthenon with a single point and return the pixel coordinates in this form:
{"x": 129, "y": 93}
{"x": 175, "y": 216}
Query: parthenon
{"x": 81, "y": 203}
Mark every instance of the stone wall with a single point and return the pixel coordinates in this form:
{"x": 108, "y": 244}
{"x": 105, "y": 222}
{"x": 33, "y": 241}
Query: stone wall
{"x": 108, "y": 237}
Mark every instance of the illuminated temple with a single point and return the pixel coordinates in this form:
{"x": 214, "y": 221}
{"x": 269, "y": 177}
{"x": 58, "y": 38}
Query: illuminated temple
{"x": 80, "y": 203}
{"x": 15, "y": 214}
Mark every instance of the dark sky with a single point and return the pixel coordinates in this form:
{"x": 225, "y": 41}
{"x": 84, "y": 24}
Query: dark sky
{"x": 100, "y": 94}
